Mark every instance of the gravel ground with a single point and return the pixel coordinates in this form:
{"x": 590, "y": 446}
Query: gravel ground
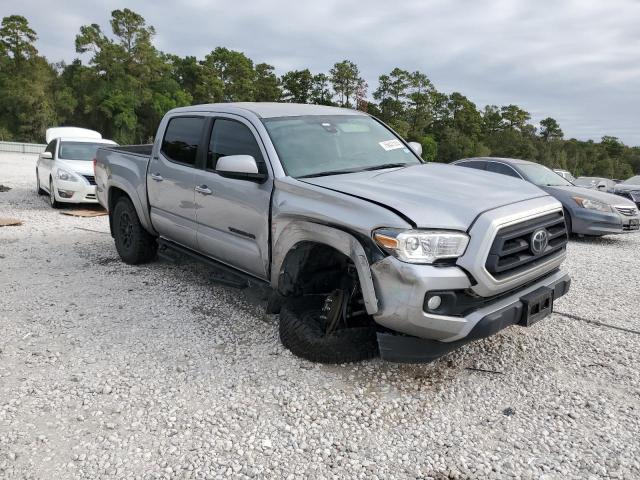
{"x": 114, "y": 371}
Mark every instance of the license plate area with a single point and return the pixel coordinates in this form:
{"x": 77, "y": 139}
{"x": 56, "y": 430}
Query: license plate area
{"x": 634, "y": 224}
{"x": 537, "y": 305}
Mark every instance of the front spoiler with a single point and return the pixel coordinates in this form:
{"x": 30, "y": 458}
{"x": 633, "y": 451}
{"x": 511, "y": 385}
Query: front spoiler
{"x": 408, "y": 349}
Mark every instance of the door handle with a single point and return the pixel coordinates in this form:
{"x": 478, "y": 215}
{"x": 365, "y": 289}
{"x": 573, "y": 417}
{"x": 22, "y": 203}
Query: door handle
{"x": 204, "y": 190}
{"x": 157, "y": 177}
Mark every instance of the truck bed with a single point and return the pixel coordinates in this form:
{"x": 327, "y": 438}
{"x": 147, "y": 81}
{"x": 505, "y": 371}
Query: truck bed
{"x": 124, "y": 168}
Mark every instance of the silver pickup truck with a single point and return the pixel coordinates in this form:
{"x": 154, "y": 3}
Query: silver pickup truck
{"x": 368, "y": 249}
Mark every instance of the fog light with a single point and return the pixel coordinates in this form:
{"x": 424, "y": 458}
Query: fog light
{"x": 434, "y": 302}
{"x": 65, "y": 193}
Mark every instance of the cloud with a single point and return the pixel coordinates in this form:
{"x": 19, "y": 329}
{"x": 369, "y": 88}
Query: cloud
{"x": 576, "y": 60}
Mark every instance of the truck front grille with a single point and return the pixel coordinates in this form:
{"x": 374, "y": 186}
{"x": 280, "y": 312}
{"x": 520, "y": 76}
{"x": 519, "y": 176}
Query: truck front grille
{"x": 526, "y": 245}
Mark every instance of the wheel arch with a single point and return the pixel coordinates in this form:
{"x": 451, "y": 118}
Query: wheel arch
{"x": 114, "y": 194}
{"x": 299, "y": 238}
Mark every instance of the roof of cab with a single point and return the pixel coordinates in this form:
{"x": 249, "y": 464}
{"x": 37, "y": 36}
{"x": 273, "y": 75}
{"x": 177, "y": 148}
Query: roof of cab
{"x": 269, "y": 109}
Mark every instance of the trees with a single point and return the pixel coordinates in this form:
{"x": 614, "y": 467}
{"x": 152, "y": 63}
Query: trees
{"x": 346, "y": 81}
{"x": 266, "y": 85}
{"x": 297, "y": 86}
{"x": 127, "y": 85}
{"x": 550, "y": 129}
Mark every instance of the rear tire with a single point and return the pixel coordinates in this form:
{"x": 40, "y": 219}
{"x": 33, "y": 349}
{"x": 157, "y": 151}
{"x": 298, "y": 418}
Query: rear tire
{"x": 303, "y": 335}
{"x": 134, "y": 244}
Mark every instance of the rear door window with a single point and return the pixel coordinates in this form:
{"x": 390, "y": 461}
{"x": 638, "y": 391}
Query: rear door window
{"x": 477, "y": 164}
{"x": 497, "y": 167}
{"x": 181, "y": 139}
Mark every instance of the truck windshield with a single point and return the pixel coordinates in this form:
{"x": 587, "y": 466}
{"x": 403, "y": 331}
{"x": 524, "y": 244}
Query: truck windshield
{"x": 79, "y": 150}
{"x": 541, "y": 175}
{"x": 313, "y": 146}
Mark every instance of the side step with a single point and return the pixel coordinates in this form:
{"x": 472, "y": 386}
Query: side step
{"x": 224, "y": 275}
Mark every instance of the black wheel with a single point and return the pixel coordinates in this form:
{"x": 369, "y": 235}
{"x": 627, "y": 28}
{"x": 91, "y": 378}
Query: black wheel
{"x": 567, "y": 221}
{"x": 39, "y": 188}
{"x": 134, "y": 244}
{"x": 52, "y": 196}
{"x": 303, "y": 330}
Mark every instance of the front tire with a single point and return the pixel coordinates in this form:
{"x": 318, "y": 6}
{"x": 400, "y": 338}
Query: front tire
{"x": 39, "y": 188}
{"x": 568, "y": 223}
{"x": 134, "y": 244}
{"x": 52, "y": 196}
{"x": 305, "y": 337}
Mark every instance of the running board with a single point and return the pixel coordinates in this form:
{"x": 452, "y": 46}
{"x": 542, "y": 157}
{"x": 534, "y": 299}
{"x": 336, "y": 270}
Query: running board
{"x": 225, "y": 274}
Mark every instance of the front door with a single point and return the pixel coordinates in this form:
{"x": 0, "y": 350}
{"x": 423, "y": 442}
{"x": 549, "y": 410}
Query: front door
{"x": 232, "y": 214}
{"x": 171, "y": 180}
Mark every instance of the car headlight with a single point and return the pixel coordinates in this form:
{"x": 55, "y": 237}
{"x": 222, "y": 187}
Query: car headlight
{"x": 592, "y": 204}
{"x": 421, "y": 246}
{"x": 66, "y": 176}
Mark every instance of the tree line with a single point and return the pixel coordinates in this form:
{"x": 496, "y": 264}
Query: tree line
{"x": 127, "y": 85}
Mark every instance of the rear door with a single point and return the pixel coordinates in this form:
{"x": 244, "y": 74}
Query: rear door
{"x": 233, "y": 214}
{"x": 171, "y": 180}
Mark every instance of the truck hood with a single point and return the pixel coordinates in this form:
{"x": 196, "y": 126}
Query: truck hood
{"x": 433, "y": 195}
{"x": 77, "y": 166}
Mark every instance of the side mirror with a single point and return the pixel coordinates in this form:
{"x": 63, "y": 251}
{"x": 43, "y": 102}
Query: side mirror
{"x": 46, "y": 156}
{"x": 416, "y": 147}
{"x": 242, "y": 167}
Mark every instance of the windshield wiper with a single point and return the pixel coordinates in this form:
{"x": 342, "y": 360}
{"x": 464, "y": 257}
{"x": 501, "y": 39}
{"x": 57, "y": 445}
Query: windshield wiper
{"x": 386, "y": 165}
{"x": 353, "y": 170}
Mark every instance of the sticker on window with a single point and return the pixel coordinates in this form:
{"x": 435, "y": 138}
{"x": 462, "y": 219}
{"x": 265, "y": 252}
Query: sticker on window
{"x": 391, "y": 145}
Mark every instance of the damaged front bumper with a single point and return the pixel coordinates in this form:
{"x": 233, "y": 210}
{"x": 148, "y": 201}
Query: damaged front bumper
{"x": 420, "y": 336}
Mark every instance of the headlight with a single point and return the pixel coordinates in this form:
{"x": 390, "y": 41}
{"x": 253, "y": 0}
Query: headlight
{"x": 592, "y": 204}
{"x": 421, "y": 246}
{"x": 66, "y": 176}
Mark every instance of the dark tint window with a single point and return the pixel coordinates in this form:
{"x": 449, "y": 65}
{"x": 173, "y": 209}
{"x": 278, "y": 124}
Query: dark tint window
{"x": 180, "y": 142}
{"x": 477, "y": 164}
{"x": 79, "y": 150}
{"x": 232, "y": 138}
{"x": 502, "y": 168}
{"x": 51, "y": 147}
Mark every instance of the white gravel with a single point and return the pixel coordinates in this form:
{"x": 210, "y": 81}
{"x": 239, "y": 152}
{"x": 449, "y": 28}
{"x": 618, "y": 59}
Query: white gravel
{"x": 113, "y": 371}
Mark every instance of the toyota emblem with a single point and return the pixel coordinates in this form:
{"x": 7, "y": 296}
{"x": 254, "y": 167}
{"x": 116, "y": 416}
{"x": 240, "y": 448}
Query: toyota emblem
{"x": 539, "y": 241}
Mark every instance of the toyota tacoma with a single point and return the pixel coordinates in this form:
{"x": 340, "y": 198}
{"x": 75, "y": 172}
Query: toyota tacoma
{"x": 367, "y": 248}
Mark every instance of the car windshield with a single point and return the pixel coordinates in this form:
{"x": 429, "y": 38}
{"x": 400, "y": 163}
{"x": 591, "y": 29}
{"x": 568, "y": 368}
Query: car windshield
{"x": 317, "y": 145}
{"x": 586, "y": 181}
{"x": 633, "y": 180}
{"x": 541, "y": 175}
{"x": 79, "y": 150}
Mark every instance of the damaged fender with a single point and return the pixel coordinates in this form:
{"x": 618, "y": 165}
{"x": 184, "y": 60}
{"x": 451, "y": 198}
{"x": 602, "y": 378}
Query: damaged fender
{"x": 302, "y": 231}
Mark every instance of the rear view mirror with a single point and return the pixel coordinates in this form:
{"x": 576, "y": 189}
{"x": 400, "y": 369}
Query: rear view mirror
{"x": 242, "y": 167}
{"x": 416, "y": 147}
{"x": 46, "y": 156}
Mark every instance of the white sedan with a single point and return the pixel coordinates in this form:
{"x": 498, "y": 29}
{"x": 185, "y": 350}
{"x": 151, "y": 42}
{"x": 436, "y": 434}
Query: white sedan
{"x": 64, "y": 170}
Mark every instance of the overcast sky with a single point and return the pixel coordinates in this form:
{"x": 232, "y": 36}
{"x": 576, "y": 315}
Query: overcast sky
{"x": 577, "y": 61}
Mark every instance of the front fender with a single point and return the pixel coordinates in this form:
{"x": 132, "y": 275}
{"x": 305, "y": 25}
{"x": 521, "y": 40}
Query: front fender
{"x": 303, "y": 231}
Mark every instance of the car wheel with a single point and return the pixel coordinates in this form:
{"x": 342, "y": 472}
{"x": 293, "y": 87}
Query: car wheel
{"x": 39, "y": 188}
{"x": 52, "y": 196}
{"x": 303, "y": 332}
{"x": 134, "y": 244}
{"x": 568, "y": 223}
